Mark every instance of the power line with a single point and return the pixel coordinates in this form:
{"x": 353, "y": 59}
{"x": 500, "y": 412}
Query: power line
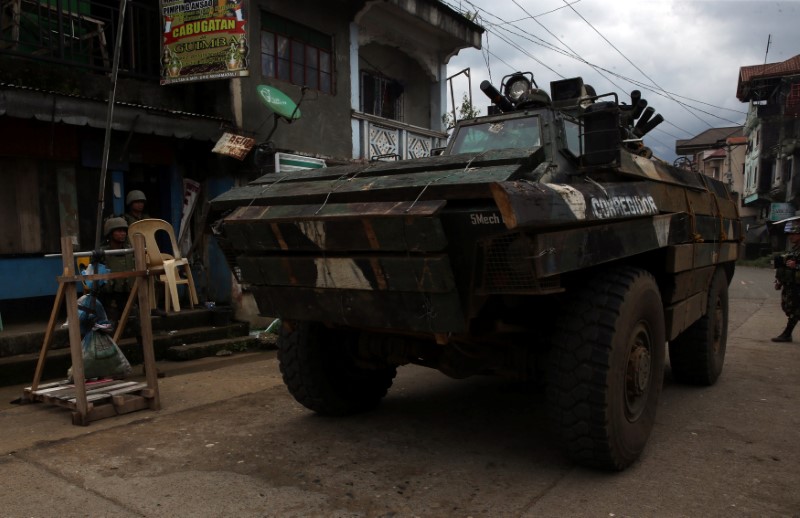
{"x": 542, "y": 14}
{"x": 634, "y": 64}
{"x": 572, "y": 54}
{"x": 503, "y": 25}
{"x": 565, "y": 45}
{"x": 662, "y": 92}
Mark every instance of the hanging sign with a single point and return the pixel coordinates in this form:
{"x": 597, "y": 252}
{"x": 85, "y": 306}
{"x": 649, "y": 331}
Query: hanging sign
{"x": 235, "y": 146}
{"x": 202, "y": 40}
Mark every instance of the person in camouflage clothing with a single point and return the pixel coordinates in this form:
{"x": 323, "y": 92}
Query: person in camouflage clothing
{"x": 114, "y": 293}
{"x": 135, "y": 204}
{"x": 787, "y": 279}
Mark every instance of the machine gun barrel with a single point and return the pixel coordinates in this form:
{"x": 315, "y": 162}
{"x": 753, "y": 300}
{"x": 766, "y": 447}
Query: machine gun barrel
{"x": 500, "y": 100}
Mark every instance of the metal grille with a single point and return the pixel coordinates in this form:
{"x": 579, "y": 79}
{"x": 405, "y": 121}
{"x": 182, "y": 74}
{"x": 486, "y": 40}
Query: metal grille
{"x": 508, "y": 267}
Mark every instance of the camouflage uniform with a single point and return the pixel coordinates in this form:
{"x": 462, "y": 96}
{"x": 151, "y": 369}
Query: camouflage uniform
{"x": 788, "y": 280}
{"x": 131, "y": 219}
{"x": 115, "y": 292}
{"x": 118, "y": 263}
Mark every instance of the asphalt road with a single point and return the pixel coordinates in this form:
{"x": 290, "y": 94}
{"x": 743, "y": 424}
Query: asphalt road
{"x": 230, "y": 441}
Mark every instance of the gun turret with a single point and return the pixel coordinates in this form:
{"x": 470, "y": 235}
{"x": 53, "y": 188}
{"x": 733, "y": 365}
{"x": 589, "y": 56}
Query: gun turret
{"x": 638, "y": 108}
{"x": 647, "y": 127}
{"x": 636, "y": 95}
{"x": 648, "y": 112}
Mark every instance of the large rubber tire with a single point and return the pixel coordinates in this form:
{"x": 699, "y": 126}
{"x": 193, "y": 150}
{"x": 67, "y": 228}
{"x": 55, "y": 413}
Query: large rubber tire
{"x": 606, "y": 368}
{"x": 320, "y": 372}
{"x": 697, "y": 355}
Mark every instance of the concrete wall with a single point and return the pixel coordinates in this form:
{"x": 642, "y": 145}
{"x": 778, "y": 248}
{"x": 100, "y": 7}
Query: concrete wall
{"x": 324, "y": 127}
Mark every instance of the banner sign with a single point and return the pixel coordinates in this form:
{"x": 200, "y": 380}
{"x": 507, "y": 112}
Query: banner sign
{"x": 779, "y": 211}
{"x": 202, "y": 40}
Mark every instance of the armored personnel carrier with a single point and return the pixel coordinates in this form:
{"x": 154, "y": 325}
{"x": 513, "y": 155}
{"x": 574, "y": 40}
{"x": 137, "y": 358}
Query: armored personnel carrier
{"x": 544, "y": 244}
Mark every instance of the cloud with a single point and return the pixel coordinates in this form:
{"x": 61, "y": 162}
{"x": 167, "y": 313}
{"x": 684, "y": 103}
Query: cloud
{"x": 691, "y": 49}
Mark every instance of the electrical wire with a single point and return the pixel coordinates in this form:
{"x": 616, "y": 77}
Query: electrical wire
{"x": 504, "y": 25}
{"x": 635, "y": 65}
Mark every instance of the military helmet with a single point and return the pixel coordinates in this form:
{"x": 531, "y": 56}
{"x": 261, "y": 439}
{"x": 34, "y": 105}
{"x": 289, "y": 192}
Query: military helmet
{"x": 134, "y": 196}
{"x": 112, "y": 224}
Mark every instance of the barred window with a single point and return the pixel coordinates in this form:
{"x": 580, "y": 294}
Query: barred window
{"x": 381, "y": 96}
{"x": 295, "y": 53}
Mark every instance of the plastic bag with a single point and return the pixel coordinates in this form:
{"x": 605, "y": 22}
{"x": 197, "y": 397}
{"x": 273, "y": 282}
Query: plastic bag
{"x": 102, "y": 358}
{"x": 90, "y": 313}
{"x": 101, "y": 268}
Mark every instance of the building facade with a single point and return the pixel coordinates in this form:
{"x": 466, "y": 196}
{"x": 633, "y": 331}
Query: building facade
{"x": 371, "y": 75}
{"x": 772, "y": 175}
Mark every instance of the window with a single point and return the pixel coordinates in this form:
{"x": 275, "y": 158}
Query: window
{"x": 520, "y": 133}
{"x": 381, "y": 96}
{"x": 572, "y": 131}
{"x": 295, "y": 53}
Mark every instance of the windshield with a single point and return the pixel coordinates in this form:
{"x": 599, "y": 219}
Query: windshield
{"x": 522, "y": 132}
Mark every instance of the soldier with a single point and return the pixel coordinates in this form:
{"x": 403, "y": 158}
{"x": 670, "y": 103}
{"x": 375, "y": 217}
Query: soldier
{"x": 787, "y": 279}
{"x": 115, "y": 292}
{"x": 135, "y": 202}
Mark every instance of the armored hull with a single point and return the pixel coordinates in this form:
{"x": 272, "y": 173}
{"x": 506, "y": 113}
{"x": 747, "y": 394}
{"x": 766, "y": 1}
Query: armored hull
{"x": 541, "y": 245}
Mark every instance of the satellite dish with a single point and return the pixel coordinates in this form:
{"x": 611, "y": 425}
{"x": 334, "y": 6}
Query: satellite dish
{"x": 278, "y": 102}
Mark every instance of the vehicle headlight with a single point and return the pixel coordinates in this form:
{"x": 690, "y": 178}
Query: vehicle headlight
{"x": 517, "y": 87}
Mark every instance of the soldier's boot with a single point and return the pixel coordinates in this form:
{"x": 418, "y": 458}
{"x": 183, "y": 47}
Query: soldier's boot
{"x": 786, "y": 336}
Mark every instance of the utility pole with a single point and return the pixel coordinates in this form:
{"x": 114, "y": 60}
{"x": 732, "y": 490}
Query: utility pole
{"x": 112, "y": 94}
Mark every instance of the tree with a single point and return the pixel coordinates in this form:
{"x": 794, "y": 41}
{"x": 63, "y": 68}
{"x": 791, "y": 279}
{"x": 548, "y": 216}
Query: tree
{"x": 465, "y": 111}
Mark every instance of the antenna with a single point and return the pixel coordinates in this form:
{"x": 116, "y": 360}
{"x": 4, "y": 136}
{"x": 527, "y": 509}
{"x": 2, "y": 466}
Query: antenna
{"x": 769, "y": 38}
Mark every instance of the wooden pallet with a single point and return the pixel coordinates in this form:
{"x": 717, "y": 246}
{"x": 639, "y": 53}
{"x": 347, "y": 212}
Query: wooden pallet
{"x": 105, "y": 398}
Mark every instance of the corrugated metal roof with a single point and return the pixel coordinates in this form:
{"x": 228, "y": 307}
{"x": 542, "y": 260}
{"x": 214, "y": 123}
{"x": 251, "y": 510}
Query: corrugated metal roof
{"x": 769, "y": 70}
{"x": 782, "y": 68}
{"x": 33, "y": 103}
{"x": 707, "y": 139}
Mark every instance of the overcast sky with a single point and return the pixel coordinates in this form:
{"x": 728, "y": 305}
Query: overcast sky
{"x": 692, "y": 49}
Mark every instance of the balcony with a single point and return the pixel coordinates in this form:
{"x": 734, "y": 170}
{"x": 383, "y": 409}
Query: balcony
{"x": 82, "y": 33}
{"x": 385, "y": 139}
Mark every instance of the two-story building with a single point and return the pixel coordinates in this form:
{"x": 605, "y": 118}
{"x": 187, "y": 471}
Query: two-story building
{"x": 772, "y": 175}
{"x": 371, "y": 73}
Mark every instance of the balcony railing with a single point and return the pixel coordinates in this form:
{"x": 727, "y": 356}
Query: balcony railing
{"x": 385, "y": 139}
{"x": 82, "y": 33}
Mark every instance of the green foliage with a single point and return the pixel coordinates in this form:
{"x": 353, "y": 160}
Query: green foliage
{"x": 464, "y": 111}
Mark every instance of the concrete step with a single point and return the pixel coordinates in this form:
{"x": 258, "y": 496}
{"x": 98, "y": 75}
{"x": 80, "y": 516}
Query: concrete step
{"x": 30, "y": 338}
{"x": 20, "y": 368}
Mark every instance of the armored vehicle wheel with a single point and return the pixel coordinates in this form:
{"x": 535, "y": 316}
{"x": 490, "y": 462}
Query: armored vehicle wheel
{"x": 321, "y": 374}
{"x": 607, "y": 367}
{"x": 696, "y": 356}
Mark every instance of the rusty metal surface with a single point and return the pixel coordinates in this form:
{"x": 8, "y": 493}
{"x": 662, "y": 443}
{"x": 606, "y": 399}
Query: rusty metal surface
{"x": 236, "y": 146}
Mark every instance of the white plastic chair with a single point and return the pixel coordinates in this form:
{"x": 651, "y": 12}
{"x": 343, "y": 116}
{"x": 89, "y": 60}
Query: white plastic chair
{"x": 171, "y": 264}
